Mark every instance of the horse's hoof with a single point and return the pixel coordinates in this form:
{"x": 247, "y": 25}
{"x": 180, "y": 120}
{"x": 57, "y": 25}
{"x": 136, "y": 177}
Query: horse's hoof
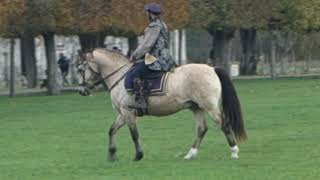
{"x": 235, "y": 156}
{"x": 188, "y": 157}
{"x": 234, "y": 152}
{"x": 191, "y": 154}
{"x": 139, "y": 156}
{"x": 112, "y": 159}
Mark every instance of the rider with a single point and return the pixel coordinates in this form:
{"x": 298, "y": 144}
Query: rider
{"x": 155, "y": 43}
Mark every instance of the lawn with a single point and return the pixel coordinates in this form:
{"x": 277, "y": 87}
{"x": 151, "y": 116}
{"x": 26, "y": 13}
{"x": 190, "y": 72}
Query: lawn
{"x": 64, "y": 137}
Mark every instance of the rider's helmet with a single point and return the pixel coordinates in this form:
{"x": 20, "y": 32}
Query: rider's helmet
{"x": 153, "y": 8}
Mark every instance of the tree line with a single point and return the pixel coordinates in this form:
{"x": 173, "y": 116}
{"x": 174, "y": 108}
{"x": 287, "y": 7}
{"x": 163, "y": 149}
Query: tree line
{"x": 280, "y": 18}
{"x": 90, "y": 20}
{"x": 93, "y": 20}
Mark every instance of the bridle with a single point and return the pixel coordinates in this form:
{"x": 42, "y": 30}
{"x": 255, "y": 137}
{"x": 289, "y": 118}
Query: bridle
{"x": 82, "y": 69}
{"x": 84, "y": 63}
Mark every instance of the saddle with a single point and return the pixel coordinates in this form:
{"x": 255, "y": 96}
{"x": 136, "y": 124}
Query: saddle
{"x": 153, "y": 84}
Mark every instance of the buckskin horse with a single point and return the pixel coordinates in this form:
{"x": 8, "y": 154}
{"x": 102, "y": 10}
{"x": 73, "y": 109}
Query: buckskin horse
{"x": 198, "y": 87}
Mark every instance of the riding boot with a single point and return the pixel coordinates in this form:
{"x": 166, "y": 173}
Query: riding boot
{"x": 140, "y": 97}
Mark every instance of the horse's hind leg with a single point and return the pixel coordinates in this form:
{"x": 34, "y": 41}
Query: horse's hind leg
{"x": 231, "y": 140}
{"x": 214, "y": 112}
{"x": 201, "y": 129}
{"x": 112, "y": 141}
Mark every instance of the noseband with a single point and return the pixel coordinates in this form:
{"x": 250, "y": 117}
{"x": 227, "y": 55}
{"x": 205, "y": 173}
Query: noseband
{"x": 82, "y": 69}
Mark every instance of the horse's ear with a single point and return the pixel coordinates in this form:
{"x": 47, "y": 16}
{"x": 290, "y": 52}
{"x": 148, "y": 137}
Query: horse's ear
{"x": 89, "y": 56}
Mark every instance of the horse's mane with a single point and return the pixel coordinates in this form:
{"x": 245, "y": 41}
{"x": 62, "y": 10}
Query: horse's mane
{"x": 107, "y": 52}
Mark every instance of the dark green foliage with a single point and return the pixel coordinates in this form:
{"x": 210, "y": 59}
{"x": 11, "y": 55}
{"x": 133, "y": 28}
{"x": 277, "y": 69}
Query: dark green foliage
{"x": 294, "y": 15}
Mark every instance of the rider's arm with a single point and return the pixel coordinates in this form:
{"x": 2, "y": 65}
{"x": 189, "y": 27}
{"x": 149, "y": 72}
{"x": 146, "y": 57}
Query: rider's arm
{"x": 150, "y": 37}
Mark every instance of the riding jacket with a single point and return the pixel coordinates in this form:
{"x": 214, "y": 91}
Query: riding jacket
{"x": 156, "y": 43}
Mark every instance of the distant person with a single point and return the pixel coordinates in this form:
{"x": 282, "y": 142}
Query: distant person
{"x": 63, "y": 63}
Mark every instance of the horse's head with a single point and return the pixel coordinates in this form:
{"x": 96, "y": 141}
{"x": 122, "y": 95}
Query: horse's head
{"x": 88, "y": 71}
{"x": 109, "y": 72}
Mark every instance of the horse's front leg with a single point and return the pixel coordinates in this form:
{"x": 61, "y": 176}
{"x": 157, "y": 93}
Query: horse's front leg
{"x": 135, "y": 137}
{"x": 112, "y": 149}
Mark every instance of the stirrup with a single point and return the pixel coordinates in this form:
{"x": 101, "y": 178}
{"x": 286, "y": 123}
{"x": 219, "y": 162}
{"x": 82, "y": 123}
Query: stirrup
{"x": 139, "y": 105}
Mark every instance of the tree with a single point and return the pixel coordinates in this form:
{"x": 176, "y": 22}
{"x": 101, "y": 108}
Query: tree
{"x": 45, "y": 17}
{"x": 48, "y": 18}
{"x": 11, "y": 12}
{"x": 28, "y": 59}
{"x": 129, "y": 15}
{"x": 32, "y": 17}
{"x": 10, "y": 27}
{"x": 132, "y": 42}
{"x": 88, "y": 19}
{"x": 284, "y": 19}
{"x": 91, "y": 20}
{"x": 213, "y": 16}
{"x": 250, "y": 16}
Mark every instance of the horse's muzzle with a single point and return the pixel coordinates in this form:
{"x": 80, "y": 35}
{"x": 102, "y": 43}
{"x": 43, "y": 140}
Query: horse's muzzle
{"x": 84, "y": 91}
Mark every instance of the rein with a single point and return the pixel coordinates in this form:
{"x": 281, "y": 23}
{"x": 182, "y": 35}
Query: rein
{"x": 108, "y": 76}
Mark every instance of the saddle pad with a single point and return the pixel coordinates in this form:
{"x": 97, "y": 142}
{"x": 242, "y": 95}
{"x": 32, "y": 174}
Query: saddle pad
{"x": 155, "y": 85}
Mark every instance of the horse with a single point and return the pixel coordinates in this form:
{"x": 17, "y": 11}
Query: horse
{"x": 197, "y": 87}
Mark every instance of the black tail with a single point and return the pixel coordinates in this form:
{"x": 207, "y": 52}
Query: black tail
{"x": 231, "y": 105}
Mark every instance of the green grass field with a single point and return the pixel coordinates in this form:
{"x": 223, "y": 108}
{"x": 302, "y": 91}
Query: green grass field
{"x": 64, "y": 138}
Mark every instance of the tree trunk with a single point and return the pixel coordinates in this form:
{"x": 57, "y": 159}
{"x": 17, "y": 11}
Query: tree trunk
{"x": 184, "y": 56}
{"x": 273, "y": 59}
{"x": 248, "y": 62}
{"x": 73, "y": 68}
{"x": 92, "y": 40}
{"x": 12, "y": 69}
{"x": 284, "y": 60}
{"x": 6, "y": 68}
{"x": 28, "y": 60}
{"x": 308, "y": 61}
{"x": 293, "y": 56}
{"x": 180, "y": 60}
{"x": 309, "y": 43}
{"x": 133, "y": 44}
{"x": 53, "y": 86}
{"x": 222, "y": 40}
